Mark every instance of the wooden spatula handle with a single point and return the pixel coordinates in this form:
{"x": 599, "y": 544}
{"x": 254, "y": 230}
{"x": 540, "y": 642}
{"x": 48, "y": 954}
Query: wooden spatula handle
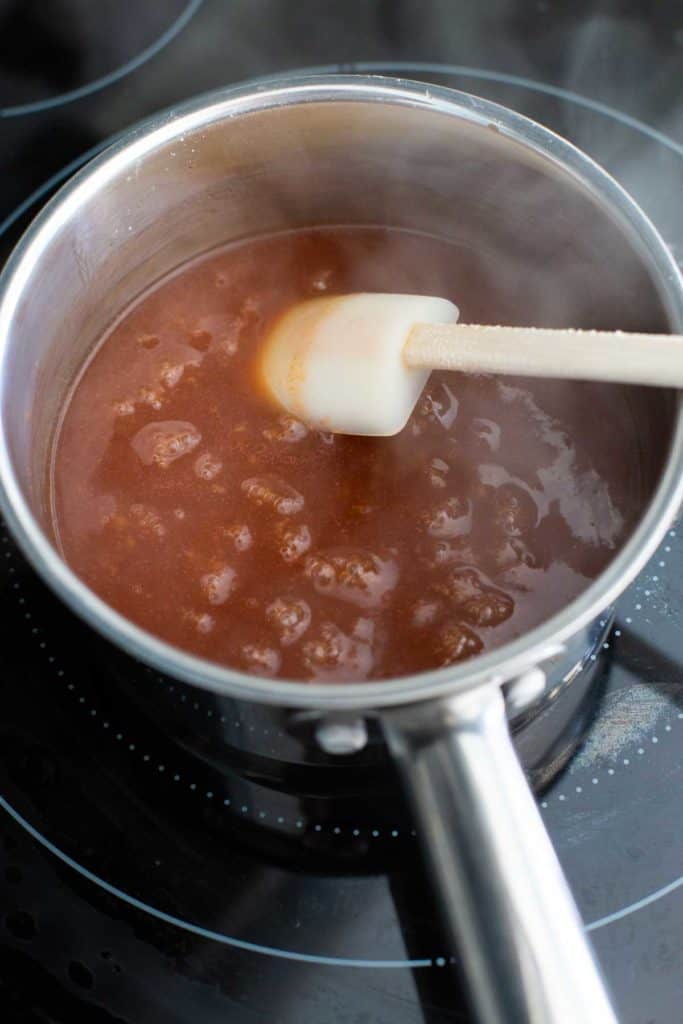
{"x": 538, "y": 352}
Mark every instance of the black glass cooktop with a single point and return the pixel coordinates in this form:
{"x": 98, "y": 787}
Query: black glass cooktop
{"x": 139, "y": 884}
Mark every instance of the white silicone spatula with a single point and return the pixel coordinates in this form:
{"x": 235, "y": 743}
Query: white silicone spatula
{"x": 356, "y": 364}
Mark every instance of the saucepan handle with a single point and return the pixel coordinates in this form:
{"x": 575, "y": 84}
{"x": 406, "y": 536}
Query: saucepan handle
{"x": 506, "y": 903}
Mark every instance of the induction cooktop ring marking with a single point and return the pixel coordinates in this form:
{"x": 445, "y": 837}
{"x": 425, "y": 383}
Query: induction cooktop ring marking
{"x": 52, "y": 182}
{"x": 206, "y": 933}
{"x": 161, "y": 768}
{"x": 336, "y": 830}
{"x": 454, "y": 69}
{"x": 227, "y": 940}
{"x": 285, "y": 954}
{"x": 298, "y": 824}
{"x": 466, "y": 71}
{"x": 633, "y": 908}
{"x": 114, "y": 76}
{"x": 375, "y": 833}
{"x": 192, "y": 786}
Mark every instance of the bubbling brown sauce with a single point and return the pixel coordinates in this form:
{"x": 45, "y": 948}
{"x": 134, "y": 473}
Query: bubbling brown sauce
{"x": 198, "y": 511}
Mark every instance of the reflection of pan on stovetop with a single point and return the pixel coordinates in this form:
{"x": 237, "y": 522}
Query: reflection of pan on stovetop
{"x": 246, "y": 162}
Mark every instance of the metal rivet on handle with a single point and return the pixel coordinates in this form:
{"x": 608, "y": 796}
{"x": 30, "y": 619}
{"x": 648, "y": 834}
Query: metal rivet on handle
{"x": 342, "y": 737}
{"x": 525, "y": 689}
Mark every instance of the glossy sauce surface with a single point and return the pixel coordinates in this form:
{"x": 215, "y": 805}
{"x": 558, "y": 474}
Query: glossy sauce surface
{"x": 189, "y": 504}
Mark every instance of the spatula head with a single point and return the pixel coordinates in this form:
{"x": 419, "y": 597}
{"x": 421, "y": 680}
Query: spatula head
{"x": 337, "y": 362}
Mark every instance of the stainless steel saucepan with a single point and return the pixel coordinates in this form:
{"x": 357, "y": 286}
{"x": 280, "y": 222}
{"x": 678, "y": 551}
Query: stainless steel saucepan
{"x": 569, "y": 248}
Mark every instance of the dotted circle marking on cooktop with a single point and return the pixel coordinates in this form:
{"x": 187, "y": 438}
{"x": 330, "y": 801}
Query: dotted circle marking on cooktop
{"x": 176, "y": 777}
{"x": 114, "y": 76}
{"x": 601, "y": 922}
{"x": 369, "y": 67}
{"x": 245, "y": 809}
